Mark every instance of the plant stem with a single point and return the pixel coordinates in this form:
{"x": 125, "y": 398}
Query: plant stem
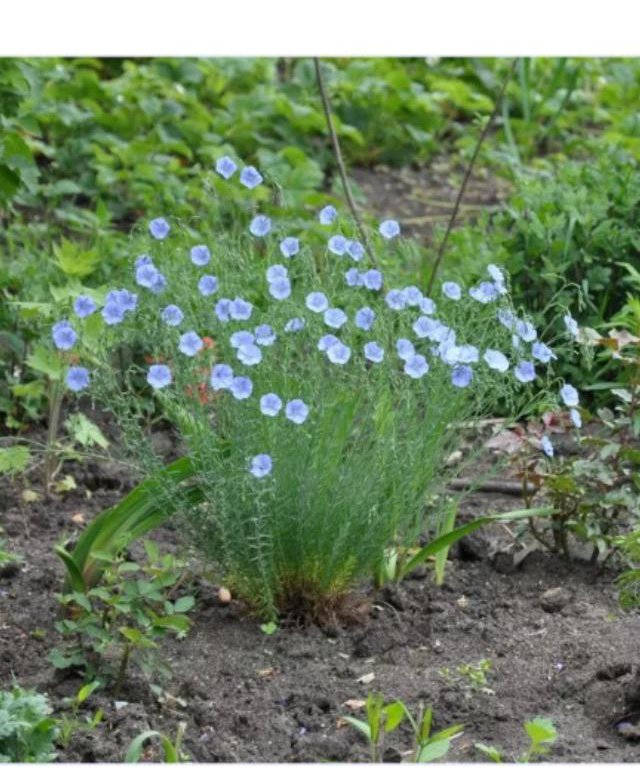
{"x": 467, "y": 176}
{"x": 124, "y": 662}
{"x": 55, "y": 404}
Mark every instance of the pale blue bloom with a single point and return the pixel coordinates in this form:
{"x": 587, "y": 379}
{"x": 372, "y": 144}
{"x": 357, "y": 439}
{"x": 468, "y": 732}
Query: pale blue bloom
{"x": 190, "y": 343}
{"x": 413, "y": 296}
{"x": 146, "y": 275}
{"x": 159, "y": 228}
{"x": 280, "y": 289}
{"x": 467, "y": 354}
{"x": 327, "y": 215}
{"x": 416, "y": 366}
{"x": 571, "y": 325}
{"x": 389, "y": 228}
{"x": 240, "y": 338}
{"x": 84, "y": 305}
{"x": 265, "y": 335}
{"x": 507, "y": 318}
{"x": 221, "y": 376}
{"x": 113, "y": 313}
{"x": 241, "y": 387}
{"x": 365, "y": 318}
{"x": 335, "y": 318}
{"x": 293, "y": 325}
{"x": 339, "y": 353}
{"x": 461, "y": 376}
{"x": 126, "y": 300}
{"x": 200, "y": 255}
{"x": 159, "y": 284}
{"x": 517, "y": 344}
{"x": 546, "y": 446}
{"x": 496, "y": 360}
{"x": 450, "y": 353}
{"x": 355, "y": 250}
{"x": 452, "y": 290}
{"x": 495, "y": 273}
{"x": 426, "y": 328}
{"x": 249, "y": 354}
{"x": 159, "y": 376}
{"x": 569, "y": 395}
{"x": 353, "y": 278}
{"x": 240, "y": 309}
{"x": 542, "y": 352}
{"x": 275, "y": 272}
{"x": 525, "y": 330}
{"x": 142, "y": 260}
{"x": 296, "y": 411}
{"x": 290, "y": 246}
{"x": 485, "y": 292}
{"x": 222, "y": 309}
{"x": 317, "y": 302}
{"x": 405, "y": 349}
{"x": 250, "y": 177}
{"x": 337, "y": 245}
{"x": 270, "y": 404}
{"x": 327, "y": 341}
{"x": 77, "y": 378}
{"x": 372, "y": 279}
{"x": 576, "y": 419}
{"x": 427, "y": 306}
{"x": 226, "y": 167}
{"x": 261, "y": 465}
{"x": 396, "y": 300}
{"x": 208, "y": 285}
{"x": 373, "y": 352}
{"x": 525, "y": 371}
{"x": 260, "y": 226}
{"x": 172, "y": 315}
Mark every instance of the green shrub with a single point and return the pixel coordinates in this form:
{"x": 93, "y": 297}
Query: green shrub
{"x": 27, "y": 732}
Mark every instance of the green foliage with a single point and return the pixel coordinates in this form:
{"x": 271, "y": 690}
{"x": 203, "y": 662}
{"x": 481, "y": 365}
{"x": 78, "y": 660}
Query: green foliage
{"x": 121, "y": 620}
{"x": 14, "y": 459}
{"x": 70, "y": 722}
{"x": 171, "y": 751}
{"x": 473, "y": 677}
{"x": 27, "y": 730}
{"x": 542, "y": 735}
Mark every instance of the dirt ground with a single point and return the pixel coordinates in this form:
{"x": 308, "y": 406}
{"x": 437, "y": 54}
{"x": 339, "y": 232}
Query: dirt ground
{"x": 570, "y": 655}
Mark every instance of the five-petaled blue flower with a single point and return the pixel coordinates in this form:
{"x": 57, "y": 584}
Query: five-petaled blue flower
{"x": 200, "y": 255}
{"x": 525, "y": 371}
{"x": 296, "y": 411}
{"x": 240, "y": 338}
{"x": 416, "y": 366}
{"x": 159, "y": 376}
{"x": 293, "y": 325}
{"x": 112, "y": 313}
{"x": 77, "y": 378}
{"x": 525, "y": 330}
{"x": 327, "y": 341}
{"x": 355, "y": 250}
{"x": 373, "y": 352}
{"x": 339, "y": 353}
{"x": 365, "y": 318}
{"x": 265, "y": 335}
{"x": 208, "y": 285}
{"x": 142, "y": 260}
{"x": 146, "y": 275}
{"x": 317, "y": 302}
{"x": 353, "y": 278}
{"x": 327, "y": 215}
{"x": 496, "y": 360}
{"x": 337, "y": 245}
{"x": 546, "y": 446}
{"x": 275, "y": 272}
{"x": 576, "y": 419}
{"x": 452, "y": 290}
{"x": 241, "y": 387}
{"x": 260, "y": 226}
{"x": 461, "y": 376}
{"x": 405, "y": 349}
{"x": 485, "y": 292}
{"x": 270, "y": 404}
{"x": 159, "y": 228}
{"x": 190, "y": 343}
{"x": 221, "y": 376}
{"x": 250, "y": 177}
{"x": 372, "y": 279}
{"x": 159, "y": 284}
{"x": 280, "y": 289}
{"x": 64, "y": 336}
{"x": 226, "y": 167}
{"x": 172, "y": 315}
{"x": 389, "y": 228}
{"x": 569, "y": 395}
{"x": 427, "y": 306}
{"x": 396, "y": 300}
{"x": 222, "y": 309}
{"x": 289, "y": 246}
{"x": 542, "y": 352}
{"x": 335, "y": 318}
{"x": 84, "y": 305}
{"x": 571, "y": 325}
{"x": 249, "y": 354}
{"x": 240, "y": 309}
{"x": 412, "y": 296}
{"x": 261, "y": 465}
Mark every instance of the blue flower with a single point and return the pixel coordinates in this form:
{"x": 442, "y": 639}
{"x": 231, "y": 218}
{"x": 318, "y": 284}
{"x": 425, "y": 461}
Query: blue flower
{"x": 126, "y": 300}
{"x": 542, "y": 352}
{"x": 496, "y": 360}
{"x": 365, "y": 318}
{"x": 571, "y": 325}
{"x": 525, "y": 371}
{"x": 240, "y": 309}
{"x": 372, "y": 279}
{"x": 296, "y": 411}
{"x": 427, "y": 328}
{"x": 339, "y": 353}
{"x": 452, "y": 290}
{"x": 250, "y": 177}
{"x": 468, "y": 353}
{"x": 113, "y": 313}
{"x": 337, "y": 245}
{"x": 289, "y": 246}
{"x": 77, "y": 378}
{"x": 327, "y": 341}
{"x": 146, "y": 275}
{"x": 525, "y": 330}
{"x": 327, "y": 215}
{"x": 335, "y": 318}
{"x": 317, "y": 302}
{"x": 412, "y": 295}
{"x": 280, "y": 289}
{"x": 569, "y": 395}
{"x": 575, "y": 418}
{"x": 221, "y": 376}
{"x": 270, "y": 404}
{"x": 355, "y": 250}
{"x": 389, "y": 228}
{"x": 405, "y": 349}
{"x": 461, "y": 376}
{"x": 498, "y": 278}
{"x": 159, "y": 284}
{"x": 485, "y": 292}
{"x": 507, "y": 318}
{"x": 241, "y": 338}
{"x": 172, "y": 315}
{"x": 159, "y": 376}
{"x": 226, "y": 167}
{"x": 546, "y": 446}
{"x": 84, "y": 305}
{"x": 241, "y": 387}
{"x": 208, "y": 285}
{"x": 159, "y": 228}
{"x": 427, "y": 306}
{"x": 142, "y": 260}
{"x": 353, "y": 278}
{"x": 416, "y": 366}
{"x": 293, "y": 325}
{"x": 275, "y": 272}
{"x": 190, "y": 343}
{"x": 64, "y": 336}
{"x": 373, "y": 352}
{"x": 249, "y": 354}
{"x": 260, "y": 226}
{"x": 261, "y": 465}
{"x": 265, "y": 335}
{"x": 396, "y": 300}
{"x": 200, "y": 255}
{"x": 222, "y": 309}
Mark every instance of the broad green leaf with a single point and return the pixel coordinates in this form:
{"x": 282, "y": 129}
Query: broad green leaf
{"x": 541, "y": 730}
{"x": 46, "y": 360}
{"x": 85, "y": 432}
{"x": 433, "y": 751}
{"x": 184, "y": 604}
{"x": 74, "y": 259}
{"x": 86, "y": 691}
{"x": 395, "y": 713}
{"x": 13, "y": 459}
{"x": 178, "y": 623}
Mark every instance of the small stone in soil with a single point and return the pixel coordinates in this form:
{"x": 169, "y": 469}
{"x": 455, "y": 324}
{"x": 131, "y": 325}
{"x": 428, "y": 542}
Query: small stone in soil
{"x": 555, "y": 599}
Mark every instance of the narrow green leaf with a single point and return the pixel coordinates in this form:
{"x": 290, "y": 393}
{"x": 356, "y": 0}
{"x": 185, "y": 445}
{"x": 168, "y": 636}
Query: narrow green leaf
{"x": 363, "y": 727}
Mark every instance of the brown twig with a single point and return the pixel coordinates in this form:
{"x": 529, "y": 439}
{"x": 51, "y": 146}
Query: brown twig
{"x": 467, "y": 176}
{"x": 326, "y": 105}
{"x": 508, "y": 487}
